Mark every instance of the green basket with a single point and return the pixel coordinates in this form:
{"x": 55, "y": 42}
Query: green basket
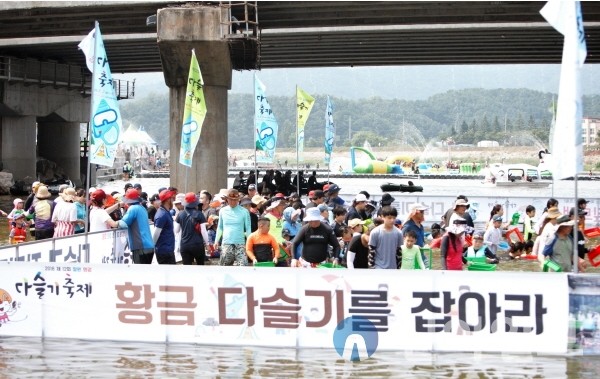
{"x": 550, "y": 265}
{"x": 329, "y": 265}
{"x": 476, "y": 259}
{"x": 264, "y": 264}
{"x": 481, "y": 267}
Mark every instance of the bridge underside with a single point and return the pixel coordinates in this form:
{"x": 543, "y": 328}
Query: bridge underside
{"x": 307, "y": 34}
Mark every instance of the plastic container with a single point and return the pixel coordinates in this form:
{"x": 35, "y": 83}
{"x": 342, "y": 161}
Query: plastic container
{"x": 532, "y": 257}
{"x": 264, "y": 264}
{"x": 427, "y": 251}
{"x": 481, "y": 267}
{"x": 503, "y": 245}
{"x": 551, "y": 266}
{"x": 477, "y": 259}
{"x": 594, "y": 256}
{"x": 329, "y": 265}
{"x": 592, "y": 232}
{"x": 515, "y": 218}
{"x": 514, "y": 235}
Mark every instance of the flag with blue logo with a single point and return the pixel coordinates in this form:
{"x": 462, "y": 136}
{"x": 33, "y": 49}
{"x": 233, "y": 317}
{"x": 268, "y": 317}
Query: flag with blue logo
{"x": 567, "y": 143}
{"x": 105, "y": 117}
{"x": 265, "y": 125}
{"x": 193, "y": 113}
{"x": 329, "y": 131}
{"x": 304, "y": 104}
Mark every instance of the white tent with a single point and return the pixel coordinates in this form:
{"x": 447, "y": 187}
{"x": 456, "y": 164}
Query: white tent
{"x": 133, "y": 136}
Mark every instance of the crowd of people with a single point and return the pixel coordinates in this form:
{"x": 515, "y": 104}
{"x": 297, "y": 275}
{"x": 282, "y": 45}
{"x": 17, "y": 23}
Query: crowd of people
{"x": 248, "y": 228}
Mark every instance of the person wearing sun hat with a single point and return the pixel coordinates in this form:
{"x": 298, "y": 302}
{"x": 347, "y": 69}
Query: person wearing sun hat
{"x": 138, "y": 228}
{"x": 547, "y": 229}
{"x": 31, "y": 199}
{"x": 559, "y": 248}
{"x": 42, "y": 210}
{"x": 316, "y": 236}
{"x": 234, "y": 228}
{"x": 194, "y": 235}
{"x": 64, "y": 216}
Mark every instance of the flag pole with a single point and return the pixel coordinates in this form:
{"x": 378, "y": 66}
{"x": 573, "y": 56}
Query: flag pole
{"x": 298, "y": 184}
{"x": 255, "y": 133}
{"x": 89, "y": 144}
{"x": 575, "y": 229}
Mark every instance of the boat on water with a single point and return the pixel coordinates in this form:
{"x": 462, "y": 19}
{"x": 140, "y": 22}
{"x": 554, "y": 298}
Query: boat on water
{"x": 394, "y": 187}
{"x": 518, "y": 175}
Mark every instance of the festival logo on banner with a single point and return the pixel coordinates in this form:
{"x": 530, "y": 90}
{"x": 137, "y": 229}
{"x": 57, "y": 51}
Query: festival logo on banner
{"x": 265, "y": 124}
{"x": 8, "y": 308}
{"x": 193, "y": 114}
{"x": 329, "y": 131}
{"x": 304, "y": 104}
{"x": 105, "y": 115}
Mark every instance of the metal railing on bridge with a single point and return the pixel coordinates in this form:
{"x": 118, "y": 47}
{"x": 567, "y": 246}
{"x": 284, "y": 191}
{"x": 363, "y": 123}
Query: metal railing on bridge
{"x": 57, "y": 75}
{"x": 241, "y": 20}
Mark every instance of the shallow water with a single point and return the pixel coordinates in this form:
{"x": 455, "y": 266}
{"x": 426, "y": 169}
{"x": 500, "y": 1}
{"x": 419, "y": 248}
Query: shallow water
{"x": 56, "y": 358}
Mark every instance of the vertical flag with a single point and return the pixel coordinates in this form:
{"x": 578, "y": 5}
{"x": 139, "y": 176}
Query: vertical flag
{"x": 193, "y": 113}
{"x": 265, "y": 125}
{"x": 304, "y": 104}
{"x": 567, "y": 147}
{"x": 105, "y": 117}
{"x": 329, "y": 131}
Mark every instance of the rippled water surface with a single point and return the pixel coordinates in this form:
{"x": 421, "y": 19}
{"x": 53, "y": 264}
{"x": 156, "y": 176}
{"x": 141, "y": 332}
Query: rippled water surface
{"x": 55, "y": 358}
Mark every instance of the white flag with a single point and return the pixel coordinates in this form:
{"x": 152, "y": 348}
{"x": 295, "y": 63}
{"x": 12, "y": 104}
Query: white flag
{"x": 87, "y": 47}
{"x": 567, "y": 144}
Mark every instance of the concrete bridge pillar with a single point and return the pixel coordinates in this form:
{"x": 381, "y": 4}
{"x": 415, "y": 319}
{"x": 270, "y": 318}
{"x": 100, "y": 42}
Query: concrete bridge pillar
{"x": 19, "y": 146}
{"x": 180, "y": 30}
{"x": 61, "y": 145}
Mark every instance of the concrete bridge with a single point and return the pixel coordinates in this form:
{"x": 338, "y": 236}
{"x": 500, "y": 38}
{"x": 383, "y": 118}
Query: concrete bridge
{"x": 47, "y": 101}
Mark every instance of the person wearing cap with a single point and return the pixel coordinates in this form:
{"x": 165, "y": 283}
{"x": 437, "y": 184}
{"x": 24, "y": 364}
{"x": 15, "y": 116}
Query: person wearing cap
{"x": 164, "y": 233}
{"x": 251, "y": 190}
{"x": 42, "y": 210}
{"x": 291, "y": 222}
{"x": 582, "y": 203}
{"x": 479, "y": 250}
{"x": 246, "y": 202}
{"x": 31, "y": 199}
{"x": 333, "y": 198}
{"x": 99, "y": 217}
{"x": 461, "y": 205}
{"x": 154, "y": 206}
{"x": 324, "y": 211}
{"x": 60, "y": 198}
{"x": 262, "y": 246}
{"x": 493, "y": 234}
{"x": 357, "y": 209}
{"x": 559, "y": 247}
{"x": 451, "y": 248}
{"x": 234, "y": 228}
{"x": 416, "y": 217}
{"x": 385, "y": 241}
{"x": 275, "y": 215}
{"x": 547, "y": 228}
{"x": 316, "y": 236}
{"x": 579, "y": 221}
{"x": 138, "y": 228}
{"x": 317, "y": 198}
{"x": 177, "y": 204}
{"x": 194, "y": 235}
{"x": 358, "y": 248}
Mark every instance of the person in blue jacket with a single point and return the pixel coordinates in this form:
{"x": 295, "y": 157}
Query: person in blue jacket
{"x": 138, "y": 228}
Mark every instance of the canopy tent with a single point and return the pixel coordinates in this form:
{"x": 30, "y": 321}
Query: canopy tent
{"x": 134, "y": 136}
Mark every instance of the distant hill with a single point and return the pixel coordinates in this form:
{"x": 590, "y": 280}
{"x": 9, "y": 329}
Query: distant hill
{"x": 466, "y": 115}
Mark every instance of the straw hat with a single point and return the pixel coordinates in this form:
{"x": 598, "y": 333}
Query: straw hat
{"x": 553, "y": 213}
{"x": 69, "y": 194}
{"x": 42, "y": 193}
{"x": 233, "y": 194}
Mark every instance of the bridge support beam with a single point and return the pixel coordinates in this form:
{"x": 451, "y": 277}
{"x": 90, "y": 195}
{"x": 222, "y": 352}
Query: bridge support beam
{"x": 61, "y": 145}
{"x": 19, "y": 146}
{"x": 179, "y": 31}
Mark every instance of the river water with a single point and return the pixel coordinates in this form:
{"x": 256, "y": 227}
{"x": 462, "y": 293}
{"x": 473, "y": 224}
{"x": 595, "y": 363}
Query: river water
{"x": 56, "y": 358}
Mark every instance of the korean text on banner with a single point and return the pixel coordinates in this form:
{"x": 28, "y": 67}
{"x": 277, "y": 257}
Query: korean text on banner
{"x": 193, "y": 114}
{"x": 329, "y": 131}
{"x": 265, "y": 125}
{"x": 567, "y": 148}
{"x": 304, "y": 104}
{"x": 105, "y": 120}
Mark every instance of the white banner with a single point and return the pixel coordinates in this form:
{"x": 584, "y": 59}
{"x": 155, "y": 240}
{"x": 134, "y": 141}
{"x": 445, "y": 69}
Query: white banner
{"x": 347, "y": 310}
